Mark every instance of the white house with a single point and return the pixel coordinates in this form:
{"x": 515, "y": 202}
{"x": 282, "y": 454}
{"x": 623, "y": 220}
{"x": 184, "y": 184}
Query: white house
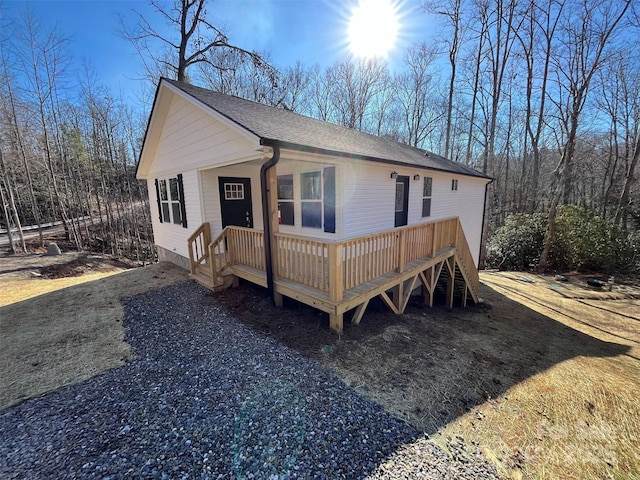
{"x": 304, "y": 202}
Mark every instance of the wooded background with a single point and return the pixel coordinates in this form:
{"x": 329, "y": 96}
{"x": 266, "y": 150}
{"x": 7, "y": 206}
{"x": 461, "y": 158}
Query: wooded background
{"x": 544, "y": 96}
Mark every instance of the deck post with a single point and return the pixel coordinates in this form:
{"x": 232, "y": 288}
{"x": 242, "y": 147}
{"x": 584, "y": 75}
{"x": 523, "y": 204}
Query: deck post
{"x": 398, "y": 293}
{"x": 336, "y": 280}
{"x": 192, "y": 263}
{"x": 434, "y": 242}
{"x": 429, "y": 279}
{"x": 402, "y": 250}
{"x": 272, "y": 182}
{"x": 335, "y": 322}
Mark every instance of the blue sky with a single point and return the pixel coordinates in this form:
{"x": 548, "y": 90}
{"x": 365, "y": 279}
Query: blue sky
{"x": 312, "y": 31}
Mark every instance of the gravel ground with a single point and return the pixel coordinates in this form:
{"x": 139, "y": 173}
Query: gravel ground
{"x": 206, "y": 397}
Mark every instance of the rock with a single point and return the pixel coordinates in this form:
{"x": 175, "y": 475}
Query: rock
{"x": 53, "y": 249}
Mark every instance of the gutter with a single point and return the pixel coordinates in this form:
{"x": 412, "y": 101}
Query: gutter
{"x": 266, "y": 217}
{"x": 484, "y": 218}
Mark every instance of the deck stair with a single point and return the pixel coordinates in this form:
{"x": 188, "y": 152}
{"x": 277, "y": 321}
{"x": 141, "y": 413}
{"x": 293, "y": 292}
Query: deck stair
{"x": 337, "y": 277}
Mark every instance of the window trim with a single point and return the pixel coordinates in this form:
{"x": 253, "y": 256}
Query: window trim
{"x": 427, "y": 195}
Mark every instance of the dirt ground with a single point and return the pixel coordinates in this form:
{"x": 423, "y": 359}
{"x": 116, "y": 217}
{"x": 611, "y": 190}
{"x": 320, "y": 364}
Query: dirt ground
{"x": 543, "y": 375}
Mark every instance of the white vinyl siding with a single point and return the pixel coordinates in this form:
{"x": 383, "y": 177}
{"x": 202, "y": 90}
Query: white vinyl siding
{"x": 192, "y": 138}
{"x": 168, "y": 235}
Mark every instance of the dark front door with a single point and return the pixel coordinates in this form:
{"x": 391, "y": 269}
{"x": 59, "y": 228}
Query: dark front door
{"x": 235, "y": 201}
{"x": 402, "y": 200}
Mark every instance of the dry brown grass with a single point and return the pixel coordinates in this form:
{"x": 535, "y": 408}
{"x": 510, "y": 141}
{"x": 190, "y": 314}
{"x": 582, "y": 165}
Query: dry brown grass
{"x": 56, "y": 332}
{"x": 579, "y": 419}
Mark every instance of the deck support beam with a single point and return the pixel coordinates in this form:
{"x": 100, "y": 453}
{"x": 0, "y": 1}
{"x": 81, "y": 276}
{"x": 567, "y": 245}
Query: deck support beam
{"x": 408, "y": 291}
{"x": 385, "y": 298}
{"x": 451, "y": 270}
{"x": 359, "y": 312}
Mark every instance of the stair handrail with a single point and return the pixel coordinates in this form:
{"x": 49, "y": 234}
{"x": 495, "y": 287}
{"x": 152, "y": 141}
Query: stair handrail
{"x": 198, "y": 243}
{"x": 464, "y": 259}
{"x": 220, "y": 259}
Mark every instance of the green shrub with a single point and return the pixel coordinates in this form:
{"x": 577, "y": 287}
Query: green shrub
{"x": 583, "y": 241}
{"x": 518, "y": 243}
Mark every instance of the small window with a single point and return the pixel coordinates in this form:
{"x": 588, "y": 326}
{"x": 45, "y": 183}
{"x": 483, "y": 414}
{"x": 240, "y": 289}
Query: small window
{"x": 233, "y": 191}
{"x": 426, "y": 196}
{"x": 454, "y": 184}
{"x": 311, "y": 195}
{"x": 286, "y": 209}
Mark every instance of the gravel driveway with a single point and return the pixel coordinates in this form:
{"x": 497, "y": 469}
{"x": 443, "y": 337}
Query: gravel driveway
{"x": 206, "y": 397}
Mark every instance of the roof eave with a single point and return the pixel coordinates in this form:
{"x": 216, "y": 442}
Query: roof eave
{"x": 336, "y": 153}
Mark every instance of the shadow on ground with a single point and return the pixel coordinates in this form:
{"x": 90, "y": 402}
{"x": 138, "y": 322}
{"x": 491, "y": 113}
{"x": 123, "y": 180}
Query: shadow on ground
{"x": 430, "y": 365}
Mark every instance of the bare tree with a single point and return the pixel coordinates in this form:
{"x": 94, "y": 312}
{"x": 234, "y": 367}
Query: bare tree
{"x": 415, "y": 95}
{"x": 355, "y": 84}
{"x": 196, "y": 38}
{"x": 536, "y": 37}
{"x": 583, "y": 52}
{"x": 452, "y": 11}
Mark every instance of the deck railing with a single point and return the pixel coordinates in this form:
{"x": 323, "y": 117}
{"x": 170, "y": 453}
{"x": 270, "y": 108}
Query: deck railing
{"x": 366, "y": 258}
{"x": 303, "y": 260}
{"x": 334, "y": 266}
{"x": 246, "y": 246}
{"x": 465, "y": 262}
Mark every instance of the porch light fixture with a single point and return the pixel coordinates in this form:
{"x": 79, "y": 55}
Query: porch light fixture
{"x": 394, "y": 175}
{"x": 416, "y": 177}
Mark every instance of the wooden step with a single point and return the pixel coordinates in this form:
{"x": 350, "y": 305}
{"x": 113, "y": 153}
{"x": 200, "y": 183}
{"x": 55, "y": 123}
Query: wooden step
{"x": 204, "y": 269}
{"x": 227, "y": 280}
{"x": 204, "y": 280}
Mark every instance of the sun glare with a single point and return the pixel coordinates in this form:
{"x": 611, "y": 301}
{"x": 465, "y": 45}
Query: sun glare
{"x": 373, "y": 28}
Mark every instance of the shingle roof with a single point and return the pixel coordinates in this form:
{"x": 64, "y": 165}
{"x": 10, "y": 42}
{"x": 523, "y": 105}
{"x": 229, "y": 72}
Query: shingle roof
{"x": 295, "y": 130}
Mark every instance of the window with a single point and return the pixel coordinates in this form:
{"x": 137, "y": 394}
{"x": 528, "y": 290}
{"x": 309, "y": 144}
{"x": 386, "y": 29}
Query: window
{"x": 233, "y": 191}
{"x": 286, "y": 208}
{"x": 426, "y": 196}
{"x": 164, "y": 199}
{"x": 311, "y": 196}
{"x": 454, "y": 184}
{"x": 171, "y": 205}
{"x": 176, "y": 209}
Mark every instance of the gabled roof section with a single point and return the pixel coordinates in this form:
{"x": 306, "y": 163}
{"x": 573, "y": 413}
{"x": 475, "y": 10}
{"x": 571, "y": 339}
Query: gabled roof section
{"x": 297, "y": 132}
{"x": 166, "y": 93}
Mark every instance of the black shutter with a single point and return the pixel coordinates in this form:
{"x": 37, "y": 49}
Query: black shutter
{"x": 183, "y": 207}
{"x": 329, "y": 199}
{"x": 158, "y": 199}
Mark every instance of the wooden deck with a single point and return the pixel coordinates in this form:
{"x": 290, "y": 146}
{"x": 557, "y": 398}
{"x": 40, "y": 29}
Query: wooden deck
{"x": 336, "y": 277}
